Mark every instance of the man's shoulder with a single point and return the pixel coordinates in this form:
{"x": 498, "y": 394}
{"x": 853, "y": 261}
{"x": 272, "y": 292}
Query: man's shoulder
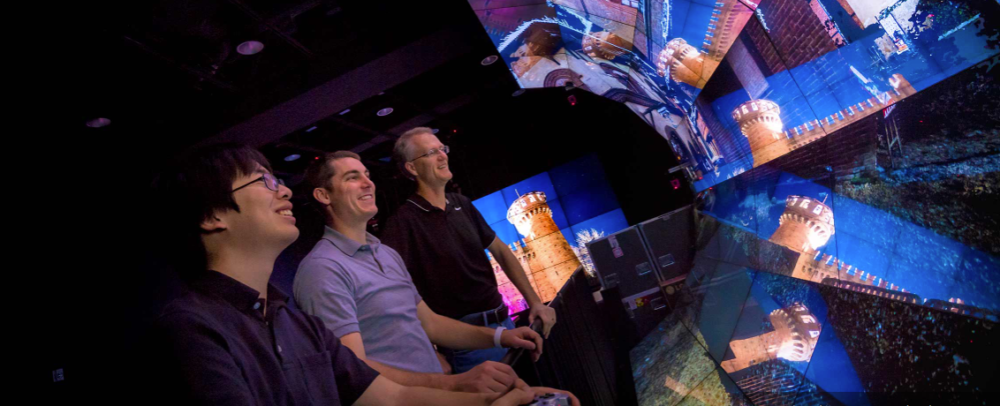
{"x": 188, "y": 309}
{"x": 324, "y": 259}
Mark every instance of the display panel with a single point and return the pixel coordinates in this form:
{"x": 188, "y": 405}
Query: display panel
{"x": 546, "y": 220}
{"x": 786, "y": 341}
{"x": 732, "y": 85}
{"x": 808, "y": 232}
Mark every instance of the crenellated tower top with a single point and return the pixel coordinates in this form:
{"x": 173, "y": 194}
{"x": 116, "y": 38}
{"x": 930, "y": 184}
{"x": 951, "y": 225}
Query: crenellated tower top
{"x": 523, "y": 211}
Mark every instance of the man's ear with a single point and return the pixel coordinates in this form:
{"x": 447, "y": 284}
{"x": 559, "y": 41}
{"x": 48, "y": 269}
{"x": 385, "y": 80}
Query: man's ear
{"x": 411, "y": 168}
{"x": 214, "y": 223}
{"x": 322, "y": 195}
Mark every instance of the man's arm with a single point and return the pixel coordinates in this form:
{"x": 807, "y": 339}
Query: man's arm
{"x": 508, "y": 262}
{"x": 454, "y": 334}
{"x": 490, "y": 377}
{"x": 384, "y": 392}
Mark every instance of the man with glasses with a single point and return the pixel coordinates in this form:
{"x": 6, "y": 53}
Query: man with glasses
{"x": 363, "y": 293}
{"x": 441, "y": 237}
{"x": 231, "y": 339}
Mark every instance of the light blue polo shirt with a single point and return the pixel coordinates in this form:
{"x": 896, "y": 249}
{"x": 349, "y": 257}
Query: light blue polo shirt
{"x": 365, "y": 288}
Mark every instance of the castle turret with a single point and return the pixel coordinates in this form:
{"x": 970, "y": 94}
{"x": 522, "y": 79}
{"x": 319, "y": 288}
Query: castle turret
{"x": 806, "y": 225}
{"x": 760, "y": 122}
{"x": 549, "y": 256}
{"x": 682, "y": 62}
{"x": 794, "y": 338}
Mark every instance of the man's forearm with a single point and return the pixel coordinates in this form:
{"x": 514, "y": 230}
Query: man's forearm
{"x": 408, "y": 378}
{"x": 457, "y": 335}
{"x": 432, "y": 397}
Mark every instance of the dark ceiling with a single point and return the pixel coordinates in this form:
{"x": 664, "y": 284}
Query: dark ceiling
{"x": 168, "y": 76}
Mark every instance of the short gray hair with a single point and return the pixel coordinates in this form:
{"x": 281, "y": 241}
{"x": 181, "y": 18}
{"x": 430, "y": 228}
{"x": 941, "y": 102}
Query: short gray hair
{"x": 399, "y": 150}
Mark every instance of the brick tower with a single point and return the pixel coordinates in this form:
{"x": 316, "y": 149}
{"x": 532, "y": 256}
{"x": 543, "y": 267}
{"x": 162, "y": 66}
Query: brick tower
{"x": 682, "y": 62}
{"x": 760, "y": 122}
{"x": 551, "y": 260}
{"x": 806, "y": 225}
{"x": 794, "y": 338}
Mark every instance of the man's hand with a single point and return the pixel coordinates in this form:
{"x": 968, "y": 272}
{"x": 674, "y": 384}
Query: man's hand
{"x": 522, "y": 394}
{"x": 548, "y": 316}
{"x": 540, "y": 390}
{"x": 523, "y": 337}
{"x": 488, "y": 377}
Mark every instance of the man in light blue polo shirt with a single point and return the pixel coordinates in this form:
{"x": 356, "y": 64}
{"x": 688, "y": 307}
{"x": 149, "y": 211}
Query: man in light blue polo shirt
{"x": 363, "y": 293}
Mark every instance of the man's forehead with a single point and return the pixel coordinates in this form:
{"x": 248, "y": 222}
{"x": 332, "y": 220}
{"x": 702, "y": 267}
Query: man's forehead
{"x": 346, "y": 164}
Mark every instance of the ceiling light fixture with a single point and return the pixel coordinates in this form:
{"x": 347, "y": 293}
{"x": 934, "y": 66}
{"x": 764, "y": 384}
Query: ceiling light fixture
{"x": 384, "y": 112}
{"x": 345, "y": 111}
{"x": 311, "y": 129}
{"x": 98, "y": 122}
{"x": 435, "y": 130}
{"x": 292, "y": 157}
{"x": 517, "y": 92}
{"x": 250, "y": 47}
{"x": 488, "y": 60}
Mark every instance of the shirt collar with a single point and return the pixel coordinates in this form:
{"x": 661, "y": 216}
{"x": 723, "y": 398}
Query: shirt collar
{"x": 347, "y": 245}
{"x": 419, "y": 201}
{"x": 241, "y": 296}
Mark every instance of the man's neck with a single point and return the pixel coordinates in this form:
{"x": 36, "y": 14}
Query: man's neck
{"x": 353, "y": 230}
{"x": 433, "y": 194}
{"x": 251, "y": 268}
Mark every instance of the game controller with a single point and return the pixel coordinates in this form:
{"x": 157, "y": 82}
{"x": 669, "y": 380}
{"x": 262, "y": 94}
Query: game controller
{"x": 551, "y": 399}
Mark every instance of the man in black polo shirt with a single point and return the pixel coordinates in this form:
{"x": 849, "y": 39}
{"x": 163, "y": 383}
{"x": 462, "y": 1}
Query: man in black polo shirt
{"x": 231, "y": 339}
{"x": 441, "y": 237}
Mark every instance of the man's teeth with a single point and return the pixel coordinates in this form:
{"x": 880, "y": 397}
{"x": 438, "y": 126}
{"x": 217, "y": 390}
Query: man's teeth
{"x": 366, "y": 197}
{"x": 442, "y": 166}
{"x": 285, "y": 212}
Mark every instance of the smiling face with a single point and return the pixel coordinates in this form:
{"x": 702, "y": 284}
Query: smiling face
{"x": 350, "y": 191}
{"x": 431, "y": 170}
{"x": 265, "y": 216}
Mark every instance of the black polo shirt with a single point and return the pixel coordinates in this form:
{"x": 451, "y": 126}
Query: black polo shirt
{"x": 444, "y": 250}
{"x": 215, "y": 345}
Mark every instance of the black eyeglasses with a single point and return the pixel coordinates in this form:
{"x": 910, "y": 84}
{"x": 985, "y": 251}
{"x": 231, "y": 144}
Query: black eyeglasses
{"x": 270, "y": 182}
{"x": 444, "y": 148}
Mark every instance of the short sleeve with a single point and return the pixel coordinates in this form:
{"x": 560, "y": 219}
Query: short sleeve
{"x": 353, "y": 375}
{"x": 485, "y": 232}
{"x": 324, "y": 289}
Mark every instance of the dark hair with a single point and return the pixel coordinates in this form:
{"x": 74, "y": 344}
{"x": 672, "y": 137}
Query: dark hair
{"x": 320, "y": 171}
{"x": 189, "y": 191}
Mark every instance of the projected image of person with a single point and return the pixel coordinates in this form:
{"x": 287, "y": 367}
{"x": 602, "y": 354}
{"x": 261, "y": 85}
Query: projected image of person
{"x": 441, "y": 237}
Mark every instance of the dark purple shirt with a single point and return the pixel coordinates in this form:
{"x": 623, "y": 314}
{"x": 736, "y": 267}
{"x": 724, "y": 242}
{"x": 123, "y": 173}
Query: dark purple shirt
{"x": 215, "y": 345}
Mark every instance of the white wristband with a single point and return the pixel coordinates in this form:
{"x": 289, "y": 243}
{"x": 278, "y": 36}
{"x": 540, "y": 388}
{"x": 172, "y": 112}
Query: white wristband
{"x": 496, "y": 336}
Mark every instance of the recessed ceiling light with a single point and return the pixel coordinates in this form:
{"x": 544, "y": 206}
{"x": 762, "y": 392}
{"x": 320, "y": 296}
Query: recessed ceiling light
{"x": 345, "y": 111}
{"x": 518, "y": 92}
{"x": 250, "y": 47}
{"x": 488, "y": 60}
{"x": 311, "y": 129}
{"x": 292, "y": 157}
{"x": 435, "y": 130}
{"x": 98, "y": 122}
{"x": 384, "y": 112}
